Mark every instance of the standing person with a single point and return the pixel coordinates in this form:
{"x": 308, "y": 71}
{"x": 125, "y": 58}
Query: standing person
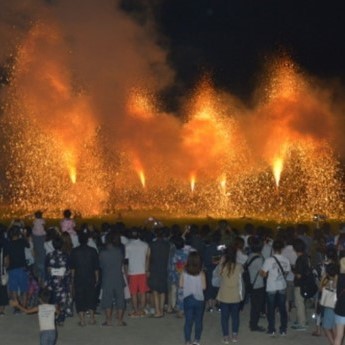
{"x": 111, "y": 264}
{"x": 211, "y": 257}
{"x": 3, "y": 255}
{"x": 230, "y": 294}
{"x": 137, "y": 262}
{"x": 340, "y": 305}
{"x": 193, "y": 282}
{"x": 158, "y": 271}
{"x": 257, "y": 295}
{"x": 46, "y": 317}
{"x": 38, "y": 239}
{"x": 85, "y": 277}
{"x": 329, "y": 282}
{"x": 59, "y": 280}
{"x": 275, "y": 269}
{"x": 301, "y": 268}
{"x": 18, "y": 279}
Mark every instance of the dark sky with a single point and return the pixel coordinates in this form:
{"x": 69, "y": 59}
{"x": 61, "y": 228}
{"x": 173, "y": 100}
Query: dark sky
{"x": 233, "y": 38}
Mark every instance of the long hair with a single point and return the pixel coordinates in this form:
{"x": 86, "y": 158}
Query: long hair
{"x": 229, "y": 262}
{"x": 193, "y": 265}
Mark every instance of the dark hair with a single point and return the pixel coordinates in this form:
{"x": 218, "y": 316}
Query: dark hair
{"x": 113, "y": 238}
{"x": 193, "y": 265}
{"x": 229, "y": 259}
{"x": 58, "y": 243}
{"x": 14, "y": 231}
{"x": 278, "y": 246}
{"x": 178, "y": 242}
{"x": 38, "y": 214}
{"x": 83, "y": 236}
{"x": 67, "y": 213}
{"x": 255, "y": 244}
{"x": 67, "y": 243}
{"x": 239, "y": 242}
{"x": 299, "y": 245}
{"x": 45, "y": 295}
{"x": 332, "y": 270}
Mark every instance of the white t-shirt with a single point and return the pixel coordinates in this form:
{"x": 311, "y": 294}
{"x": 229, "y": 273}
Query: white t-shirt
{"x": 241, "y": 258}
{"x": 275, "y": 278}
{"x": 46, "y": 317}
{"x": 291, "y": 255}
{"x": 136, "y": 251}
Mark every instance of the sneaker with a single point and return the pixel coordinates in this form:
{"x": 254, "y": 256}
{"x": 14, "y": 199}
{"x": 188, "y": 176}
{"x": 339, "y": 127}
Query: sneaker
{"x": 196, "y": 342}
{"x": 283, "y": 334}
{"x": 258, "y": 329}
{"x": 234, "y": 339}
{"x": 210, "y": 310}
{"x": 226, "y": 340}
{"x": 299, "y": 328}
{"x": 271, "y": 334}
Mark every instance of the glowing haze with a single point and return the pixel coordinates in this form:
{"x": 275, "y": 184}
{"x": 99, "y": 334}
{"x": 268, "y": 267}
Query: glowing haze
{"x": 82, "y": 126}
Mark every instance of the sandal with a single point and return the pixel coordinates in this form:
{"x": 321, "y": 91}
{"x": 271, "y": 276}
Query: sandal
{"x": 92, "y": 322}
{"x": 81, "y": 324}
{"x": 122, "y": 323}
{"x": 106, "y": 324}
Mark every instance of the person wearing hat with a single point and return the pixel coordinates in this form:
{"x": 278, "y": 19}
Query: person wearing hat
{"x": 340, "y": 304}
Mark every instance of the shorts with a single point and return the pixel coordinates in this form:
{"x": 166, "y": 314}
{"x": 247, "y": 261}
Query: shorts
{"x": 18, "y": 280}
{"x": 137, "y": 283}
{"x": 328, "y": 320}
{"x": 85, "y": 298}
{"x": 113, "y": 295}
{"x": 339, "y": 320}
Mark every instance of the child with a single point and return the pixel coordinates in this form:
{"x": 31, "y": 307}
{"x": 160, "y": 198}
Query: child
{"x": 46, "y": 317}
{"x": 193, "y": 282}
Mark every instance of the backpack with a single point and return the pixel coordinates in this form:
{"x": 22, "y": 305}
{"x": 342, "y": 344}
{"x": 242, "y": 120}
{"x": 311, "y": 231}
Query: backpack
{"x": 248, "y": 286}
{"x": 308, "y": 287}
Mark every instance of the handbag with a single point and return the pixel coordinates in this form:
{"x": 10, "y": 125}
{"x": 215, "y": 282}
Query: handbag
{"x": 216, "y": 278}
{"x": 4, "y": 274}
{"x": 328, "y": 298}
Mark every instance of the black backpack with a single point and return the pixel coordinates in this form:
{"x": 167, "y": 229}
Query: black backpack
{"x": 308, "y": 285}
{"x": 248, "y": 286}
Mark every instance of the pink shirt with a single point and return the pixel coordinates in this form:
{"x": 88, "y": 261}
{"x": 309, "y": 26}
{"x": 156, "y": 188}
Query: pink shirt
{"x": 68, "y": 225}
{"x": 38, "y": 227}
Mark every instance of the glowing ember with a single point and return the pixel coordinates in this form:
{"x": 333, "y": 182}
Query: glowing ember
{"x": 278, "y": 165}
{"x": 223, "y": 183}
{"x": 142, "y": 178}
{"x": 192, "y": 182}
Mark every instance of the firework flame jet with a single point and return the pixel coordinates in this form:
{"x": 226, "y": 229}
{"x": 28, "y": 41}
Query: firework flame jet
{"x": 192, "y": 182}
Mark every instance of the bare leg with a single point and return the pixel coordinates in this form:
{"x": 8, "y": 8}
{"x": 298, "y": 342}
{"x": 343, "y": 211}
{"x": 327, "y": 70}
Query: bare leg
{"x": 156, "y": 303}
{"x": 142, "y": 298}
{"x": 120, "y": 314}
{"x": 109, "y": 316}
{"x": 329, "y": 335}
{"x": 135, "y": 303}
{"x": 92, "y": 318}
{"x": 81, "y": 318}
{"x": 161, "y": 303}
{"x": 339, "y": 334}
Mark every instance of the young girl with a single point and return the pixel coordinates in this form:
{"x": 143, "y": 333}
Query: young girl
{"x": 329, "y": 281}
{"x": 193, "y": 282}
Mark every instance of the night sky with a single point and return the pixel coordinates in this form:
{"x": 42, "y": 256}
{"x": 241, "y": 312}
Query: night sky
{"x": 233, "y": 39}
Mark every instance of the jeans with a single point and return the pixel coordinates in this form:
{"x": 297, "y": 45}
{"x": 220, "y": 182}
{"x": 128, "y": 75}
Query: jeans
{"x": 48, "y": 337}
{"x": 227, "y": 310}
{"x": 256, "y": 301}
{"x": 276, "y": 299}
{"x": 194, "y": 312}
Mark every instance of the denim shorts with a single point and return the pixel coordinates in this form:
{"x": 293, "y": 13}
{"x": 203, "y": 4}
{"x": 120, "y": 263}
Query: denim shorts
{"x": 328, "y": 320}
{"x": 339, "y": 320}
{"x": 18, "y": 280}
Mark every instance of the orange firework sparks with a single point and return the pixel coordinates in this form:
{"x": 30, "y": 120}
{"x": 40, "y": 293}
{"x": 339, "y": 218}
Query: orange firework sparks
{"x": 223, "y": 183}
{"x": 142, "y": 178}
{"x": 278, "y": 165}
{"x": 70, "y": 162}
{"x": 140, "y": 104}
{"x": 192, "y": 182}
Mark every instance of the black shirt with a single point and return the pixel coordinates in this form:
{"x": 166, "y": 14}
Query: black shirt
{"x": 302, "y": 268}
{"x": 16, "y": 253}
{"x": 340, "y": 305}
{"x": 84, "y": 260}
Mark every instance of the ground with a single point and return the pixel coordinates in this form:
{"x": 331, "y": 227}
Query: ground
{"x": 23, "y": 329}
